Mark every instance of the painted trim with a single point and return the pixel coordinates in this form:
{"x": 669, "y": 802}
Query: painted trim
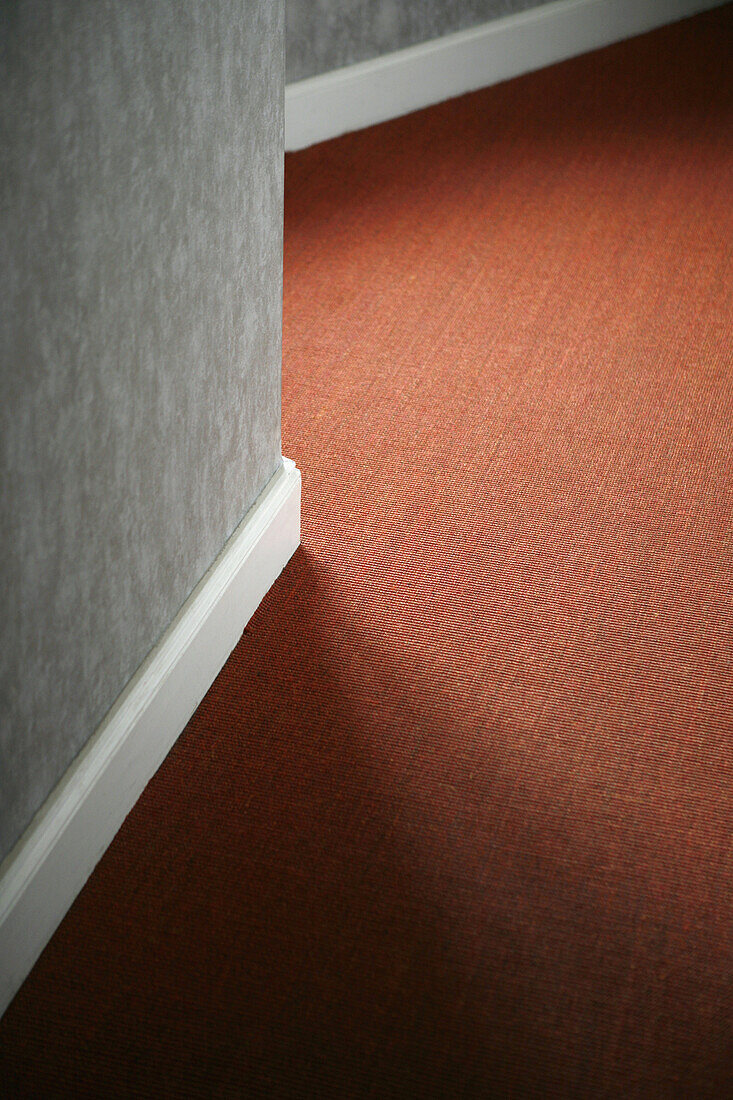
{"x": 48, "y": 866}
{"x": 394, "y": 84}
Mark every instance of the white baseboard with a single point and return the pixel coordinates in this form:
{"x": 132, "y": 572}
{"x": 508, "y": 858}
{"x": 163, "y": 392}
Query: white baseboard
{"x": 48, "y": 866}
{"x": 373, "y": 91}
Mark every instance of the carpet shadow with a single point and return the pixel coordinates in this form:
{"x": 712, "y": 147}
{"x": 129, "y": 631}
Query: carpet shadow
{"x": 349, "y": 880}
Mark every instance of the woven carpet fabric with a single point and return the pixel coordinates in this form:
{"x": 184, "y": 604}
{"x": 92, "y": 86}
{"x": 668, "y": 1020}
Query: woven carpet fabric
{"x": 455, "y": 819}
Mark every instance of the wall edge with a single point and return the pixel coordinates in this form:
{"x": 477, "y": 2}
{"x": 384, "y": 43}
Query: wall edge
{"x": 48, "y": 866}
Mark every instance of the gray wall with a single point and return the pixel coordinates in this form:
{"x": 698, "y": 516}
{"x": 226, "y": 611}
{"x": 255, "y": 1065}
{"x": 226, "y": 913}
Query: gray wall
{"x": 327, "y": 34}
{"x": 141, "y": 221}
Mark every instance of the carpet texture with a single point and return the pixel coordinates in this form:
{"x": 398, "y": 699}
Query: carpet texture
{"x": 455, "y": 819}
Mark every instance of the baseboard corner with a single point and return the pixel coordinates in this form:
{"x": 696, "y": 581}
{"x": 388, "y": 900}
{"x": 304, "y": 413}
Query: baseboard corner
{"x": 46, "y": 869}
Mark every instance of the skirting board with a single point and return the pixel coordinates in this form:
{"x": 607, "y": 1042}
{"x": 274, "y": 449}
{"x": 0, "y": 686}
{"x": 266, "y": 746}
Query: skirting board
{"x": 394, "y": 84}
{"x": 47, "y": 868}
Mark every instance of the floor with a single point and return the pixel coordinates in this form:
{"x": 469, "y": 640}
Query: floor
{"x": 455, "y": 819}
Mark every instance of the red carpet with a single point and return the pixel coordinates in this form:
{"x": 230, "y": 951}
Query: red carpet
{"x": 455, "y": 819}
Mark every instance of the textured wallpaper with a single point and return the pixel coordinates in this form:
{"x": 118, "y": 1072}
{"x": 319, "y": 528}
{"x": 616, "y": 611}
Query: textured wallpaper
{"x": 326, "y": 34}
{"x": 140, "y": 325}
